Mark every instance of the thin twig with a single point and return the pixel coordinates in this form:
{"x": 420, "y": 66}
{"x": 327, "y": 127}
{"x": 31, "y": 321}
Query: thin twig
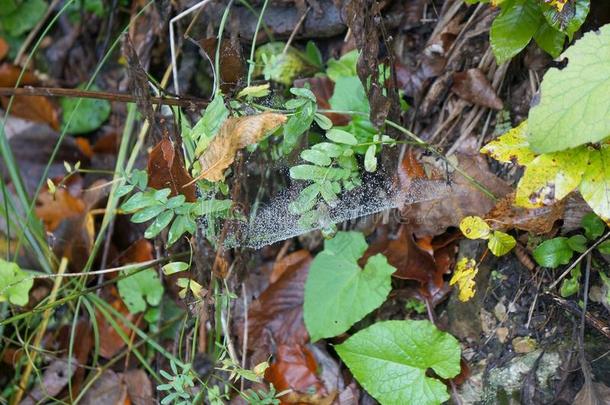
{"x": 295, "y": 30}
{"x": 101, "y": 95}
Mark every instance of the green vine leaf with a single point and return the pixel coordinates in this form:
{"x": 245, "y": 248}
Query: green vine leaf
{"x": 390, "y": 360}
{"x": 576, "y": 99}
{"x": 15, "y": 284}
{"x": 514, "y": 28}
{"x": 338, "y": 293}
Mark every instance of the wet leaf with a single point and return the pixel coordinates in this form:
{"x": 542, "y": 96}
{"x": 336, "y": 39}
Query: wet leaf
{"x": 511, "y": 147}
{"x": 514, "y": 28}
{"x": 573, "y": 99}
{"x": 475, "y": 228}
{"x": 550, "y": 177}
{"x": 338, "y": 292}
{"x": 166, "y": 170}
{"x": 294, "y": 367}
{"x": 141, "y": 288}
{"x": 553, "y": 252}
{"x": 390, "y": 360}
{"x": 15, "y": 284}
{"x": 473, "y": 86}
{"x": 464, "y": 274}
{"x": 235, "y": 134}
{"x": 501, "y": 243}
{"x": 595, "y": 185}
{"x": 91, "y": 113}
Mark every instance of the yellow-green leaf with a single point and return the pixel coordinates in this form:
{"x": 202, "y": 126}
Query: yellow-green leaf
{"x": 595, "y": 186}
{"x": 475, "y": 228}
{"x": 501, "y": 243}
{"x": 463, "y": 276}
{"x": 551, "y": 176}
{"x": 511, "y": 147}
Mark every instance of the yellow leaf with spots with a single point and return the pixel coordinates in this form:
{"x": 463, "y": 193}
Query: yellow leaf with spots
{"x": 474, "y": 228}
{"x": 595, "y": 185}
{"x": 551, "y": 176}
{"x": 511, "y": 147}
{"x": 463, "y": 276}
{"x": 501, "y": 243}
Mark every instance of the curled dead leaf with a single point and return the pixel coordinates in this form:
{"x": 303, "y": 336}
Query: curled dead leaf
{"x": 166, "y": 170}
{"x": 294, "y": 367}
{"x": 473, "y": 86}
{"x": 235, "y": 134}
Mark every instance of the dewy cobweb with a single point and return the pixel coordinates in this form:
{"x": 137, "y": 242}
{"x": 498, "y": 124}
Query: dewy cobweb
{"x": 273, "y": 222}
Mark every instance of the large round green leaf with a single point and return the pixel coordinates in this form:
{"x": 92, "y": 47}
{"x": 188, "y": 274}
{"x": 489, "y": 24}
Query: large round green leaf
{"x": 390, "y": 359}
{"x": 575, "y": 101}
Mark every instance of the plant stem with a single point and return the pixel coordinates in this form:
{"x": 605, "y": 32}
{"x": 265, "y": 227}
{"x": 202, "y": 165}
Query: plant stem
{"x": 251, "y": 63}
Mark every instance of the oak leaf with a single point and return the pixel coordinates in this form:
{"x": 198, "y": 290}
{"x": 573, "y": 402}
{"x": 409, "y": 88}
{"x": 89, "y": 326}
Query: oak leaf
{"x": 235, "y": 134}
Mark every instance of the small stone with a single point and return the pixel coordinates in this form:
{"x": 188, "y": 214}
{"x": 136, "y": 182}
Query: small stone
{"x": 502, "y": 334}
{"x": 524, "y": 344}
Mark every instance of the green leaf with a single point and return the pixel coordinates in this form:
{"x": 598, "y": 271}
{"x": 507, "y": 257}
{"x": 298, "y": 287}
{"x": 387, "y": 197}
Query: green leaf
{"x": 511, "y": 147}
{"x": 176, "y": 201}
{"x": 349, "y": 95}
{"x": 313, "y": 55}
{"x": 513, "y": 29}
{"x": 370, "y": 160}
{"x": 593, "y": 226}
{"x": 297, "y": 124}
{"x": 343, "y": 67}
{"x": 341, "y": 136}
{"x": 604, "y": 247}
{"x": 303, "y": 92}
{"x": 550, "y": 177}
{"x": 15, "y": 284}
{"x": 323, "y": 121}
{"x": 138, "y": 201}
{"x": 338, "y": 292}
{"x": 174, "y": 267}
{"x": 213, "y": 117}
{"x": 553, "y": 252}
{"x": 91, "y": 113}
{"x": 306, "y": 200}
{"x": 202, "y": 207}
{"x": 258, "y": 91}
{"x": 550, "y": 40}
{"x": 501, "y": 243}
{"x": 571, "y": 285}
{"x": 22, "y": 19}
{"x": 159, "y": 224}
{"x": 330, "y": 149}
{"x": 569, "y": 19}
{"x": 474, "y": 227}
{"x": 140, "y": 288}
{"x": 595, "y": 185}
{"x": 316, "y": 157}
{"x": 181, "y": 225}
{"x": 147, "y": 214}
{"x": 574, "y": 100}
{"x": 578, "y": 243}
{"x": 124, "y": 190}
{"x": 390, "y": 360}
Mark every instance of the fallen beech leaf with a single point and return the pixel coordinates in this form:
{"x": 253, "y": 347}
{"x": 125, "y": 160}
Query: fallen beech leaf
{"x": 276, "y": 317}
{"x": 54, "y": 208}
{"x": 166, "y": 170}
{"x": 285, "y": 263}
{"x": 411, "y": 262}
{"x": 473, "y": 86}
{"x": 3, "y": 48}
{"x": 235, "y": 134}
{"x": 294, "y": 367}
{"x": 33, "y": 108}
{"x": 505, "y": 216}
{"x": 139, "y": 387}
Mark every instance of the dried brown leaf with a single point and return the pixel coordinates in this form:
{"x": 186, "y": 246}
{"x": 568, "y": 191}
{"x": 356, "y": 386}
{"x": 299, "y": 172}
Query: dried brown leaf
{"x": 473, "y": 86}
{"x": 166, "y": 170}
{"x": 232, "y": 63}
{"x": 139, "y": 387}
{"x": 593, "y": 393}
{"x": 294, "y": 367}
{"x": 505, "y": 216}
{"x": 108, "y": 389}
{"x": 235, "y": 134}
{"x": 3, "y": 48}
{"x": 54, "y": 379}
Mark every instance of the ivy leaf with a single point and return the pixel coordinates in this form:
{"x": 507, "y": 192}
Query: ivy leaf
{"x": 593, "y": 226}
{"x": 338, "y": 293}
{"x": 15, "y": 284}
{"x": 474, "y": 227}
{"x": 501, "y": 243}
{"x": 140, "y": 288}
{"x": 514, "y": 28}
{"x": 575, "y": 99}
{"x": 553, "y": 252}
{"x": 595, "y": 185}
{"x": 465, "y": 271}
{"x": 390, "y": 360}
{"x": 511, "y": 147}
{"x": 550, "y": 177}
